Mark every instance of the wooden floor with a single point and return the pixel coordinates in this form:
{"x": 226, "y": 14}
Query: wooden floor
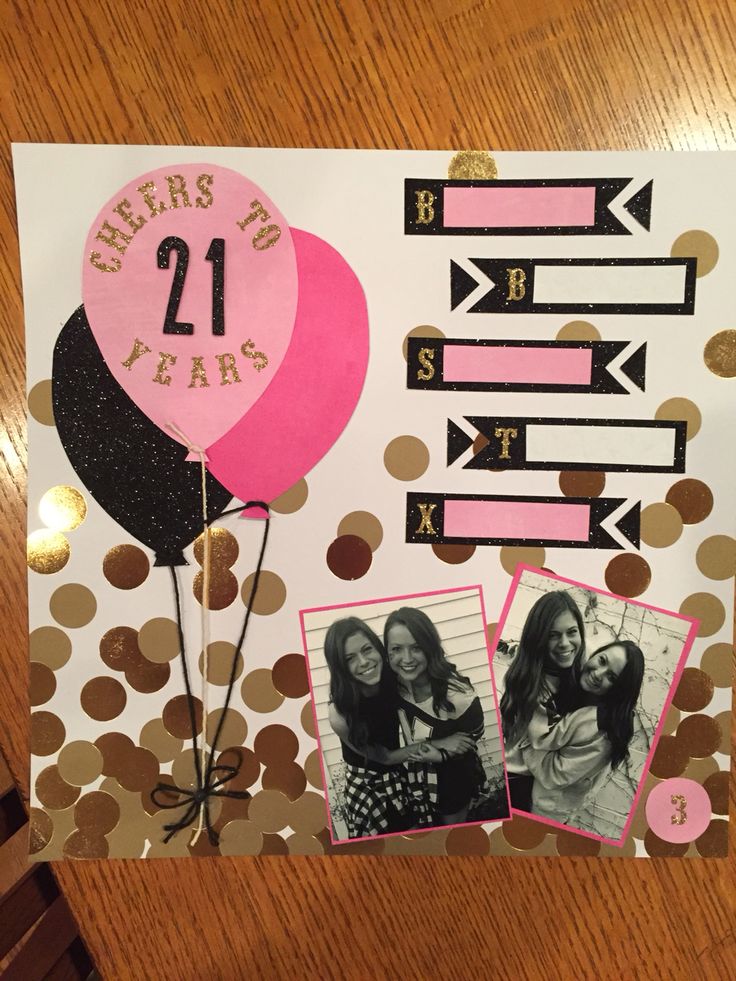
{"x": 455, "y": 74}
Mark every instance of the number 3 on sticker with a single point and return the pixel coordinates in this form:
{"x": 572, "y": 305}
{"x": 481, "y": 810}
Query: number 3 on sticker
{"x": 679, "y": 802}
{"x": 215, "y": 255}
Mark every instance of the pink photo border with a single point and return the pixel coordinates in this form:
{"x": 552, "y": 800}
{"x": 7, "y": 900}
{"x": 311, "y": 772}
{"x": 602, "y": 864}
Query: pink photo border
{"x": 390, "y": 599}
{"x": 687, "y": 646}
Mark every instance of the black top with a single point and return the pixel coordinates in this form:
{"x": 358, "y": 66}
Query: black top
{"x": 382, "y": 723}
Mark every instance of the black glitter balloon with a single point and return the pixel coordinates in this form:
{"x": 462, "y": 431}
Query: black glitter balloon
{"x": 134, "y": 470}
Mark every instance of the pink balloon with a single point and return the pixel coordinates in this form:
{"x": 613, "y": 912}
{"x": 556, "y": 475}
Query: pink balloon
{"x": 202, "y": 360}
{"x": 311, "y": 399}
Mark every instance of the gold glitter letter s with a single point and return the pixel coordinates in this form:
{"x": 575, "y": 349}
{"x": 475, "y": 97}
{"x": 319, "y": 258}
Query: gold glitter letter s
{"x": 425, "y": 526}
{"x": 204, "y": 183}
{"x": 425, "y": 357}
{"x": 259, "y": 358}
{"x": 425, "y": 211}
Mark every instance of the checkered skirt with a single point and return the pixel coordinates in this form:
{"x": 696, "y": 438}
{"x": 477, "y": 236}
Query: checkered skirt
{"x": 410, "y": 789}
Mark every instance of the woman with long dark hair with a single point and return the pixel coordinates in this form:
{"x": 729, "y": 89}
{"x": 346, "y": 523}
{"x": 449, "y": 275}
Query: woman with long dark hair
{"x": 567, "y": 761}
{"x": 539, "y": 679}
{"x": 438, "y": 704}
{"x": 381, "y": 794}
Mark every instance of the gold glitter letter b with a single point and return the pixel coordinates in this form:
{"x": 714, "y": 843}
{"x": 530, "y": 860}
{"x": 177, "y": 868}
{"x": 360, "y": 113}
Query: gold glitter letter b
{"x": 517, "y": 278}
{"x": 425, "y": 211}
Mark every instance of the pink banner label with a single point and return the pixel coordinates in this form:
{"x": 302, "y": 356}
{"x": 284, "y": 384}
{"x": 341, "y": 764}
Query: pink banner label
{"x": 517, "y": 365}
{"x": 517, "y": 519}
{"x": 518, "y": 207}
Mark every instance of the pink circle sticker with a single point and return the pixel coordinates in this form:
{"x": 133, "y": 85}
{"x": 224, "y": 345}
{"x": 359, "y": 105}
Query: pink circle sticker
{"x": 678, "y": 810}
{"x": 190, "y": 287}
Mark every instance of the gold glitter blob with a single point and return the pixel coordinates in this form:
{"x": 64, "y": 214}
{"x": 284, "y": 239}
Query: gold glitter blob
{"x": 307, "y": 720}
{"x": 663, "y": 849}
{"x": 270, "y": 810}
{"x": 701, "y": 246}
{"x": 234, "y": 728}
{"x": 628, "y": 575}
{"x": 467, "y": 841}
{"x": 119, "y": 648}
{"x": 713, "y": 843}
{"x": 62, "y": 508}
{"x": 47, "y": 733}
{"x": 50, "y": 646}
{"x": 156, "y": 738}
{"x": 176, "y": 716}
{"x": 47, "y": 551}
{"x": 694, "y": 690}
{"x": 671, "y": 721}
{"x": 708, "y": 609}
{"x": 103, "y": 698}
{"x": 454, "y": 554}
{"x": 572, "y": 844}
{"x": 699, "y": 735}
{"x": 40, "y": 404}
{"x": 219, "y": 662}
{"x": 240, "y": 838}
{"x": 582, "y": 483}
{"x": 660, "y": 525}
{"x": 158, "y": 640}
{"x": 292, "y": 499}
{"x": 80, "y": 763}
{"x": 523, "y": 833}
{"x": 258, "y": 691}
{"x": 275, "y": 744}
{"x": 406, "y": 458}
{"x": 73, "y": 605}
{"x": 719, "y": 354}
{"x": 300, "y": 844}
{"x": 718, "y": 662}
{"x": 692, "y": 498}
{"x": 472, "y": 165}
{"x": 716, "y": 557}
{"x": 42, "y": 683}
{"x": 425, "y": 330}
{"x": 512, "y": 555}
{"x": 126, "y": 566}
{"x": 313, "y": 770}
{"x": 287, "y": 777}
{"x": 224, "y": 548}
{"x": 308, "y": 814}
{"x": 363, "y": 524}
{"x": 96, "y": 813}
{"x": 289, "y": 676}
{"x": 271, "y": 594}
{"x": 681, "y": 410}
{"x": 670, "y": 757}
{"x": 82, "y": 846}
{"x": 41, "y": 829}
{"x": 53, "y": 791}
{"x": 578, "y": 330}
{"x": 223, "y": 588}
{"x": 716, "y": 786}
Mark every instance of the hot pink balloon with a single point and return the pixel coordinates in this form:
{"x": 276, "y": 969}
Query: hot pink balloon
{"x": 311, "y": 399}
{"x": 190, "y": 288}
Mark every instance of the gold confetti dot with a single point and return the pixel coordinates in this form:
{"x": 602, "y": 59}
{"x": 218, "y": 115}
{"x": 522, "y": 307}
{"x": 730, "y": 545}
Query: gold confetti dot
{"x": 273, "y": 845}
{"x": 713, "y": 843}
{"x": 716, "y": 786}
{"x": 184, "y": 770}
{"x": 288, "y": 777}
{"x": 718, "y": 662}
{"x": 81, "y": 846}
{"x": 146, "y": 677}
{"x": 663, "y": 849}
{"x": 661, "y": 525}
{"x": 73, "y": 605}
{"x": 628, "y": 575}
{"x": 50, "y": 646}
{"x": 406, "y": 458}
{"x": 119, "y": 648}
{"x": 126, "y": 566}
{"x": 313, "y": 770}
{"x": 62, "y": 508}
{"x": 699, "y": 244}
{"x": 40, "y": 404}
{"x": 572, "y": 844}
{"x": 363, "y": 524}
{"x": 692, "y": 498}
{"x": 155, "y": 737}
{"x": 275, "y": 744}
{"x": 671, "y": 721}
{"x": 625, "y": 850}
{"x": 670, "y": 757}
{"x": 289, "y": 675}
{"x": 259, "y": 693}
{"x": 716, "y": 557}
{"x": 307, "y": 720}
{"x": 454, "y": 554}
{"x": 240, "y": 838}
{"x": 247, "y": 765}
{"x": 293, "y": 499}
{"x": 96, "y": 813}
{"x": 116, "y": 750}
{"x": 220, "y": 663}
{"x": 299, "y": 844}
{"x": 512, "y": 555}
{"x": 467, "y": 841}
{"x": 224, "y": 548}
{"x": 523, "y": 833}
{"x": 80, "y": 763}
{"x": 308, "y": 814}
{"x": 699, "y": 735}
{"x": 694, "y": 690}
{"x": 103, "y": 698}
{"x": 53, "y": 791}
{"x": 42, "y": 683}
{"x": 158, "y": 640}
{"x": 472, "y": 165}
{"x": 270, "y": 596}
{"x": 140, "y": 771}
{"x": 234, "y": 729}
{"x": 582, "y": 483}
{"x": 177, "y": 719}
{"x": 41, "y": 830}
{"x": 424, "y": 330}
{"x": 47, "y": 733}
{"x": 578, "y": 330}
{"x": 47, "y": 551}
{"x": 223, "y": 588}
{"x": 349, "y": 557}
{"x": 270, "y": 810}
{"x": 723, "y": 721}
{"x": 681, "y": 410}
{"x": 708, "y": 609}
{"x": 720, "y": 354}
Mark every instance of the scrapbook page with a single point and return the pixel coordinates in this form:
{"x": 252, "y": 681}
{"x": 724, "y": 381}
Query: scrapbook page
{"x": 379, "y": 502}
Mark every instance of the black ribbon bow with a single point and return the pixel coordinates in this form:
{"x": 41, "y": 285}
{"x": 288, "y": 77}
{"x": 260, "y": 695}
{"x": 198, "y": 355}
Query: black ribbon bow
{"x": 194, "y": 798}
